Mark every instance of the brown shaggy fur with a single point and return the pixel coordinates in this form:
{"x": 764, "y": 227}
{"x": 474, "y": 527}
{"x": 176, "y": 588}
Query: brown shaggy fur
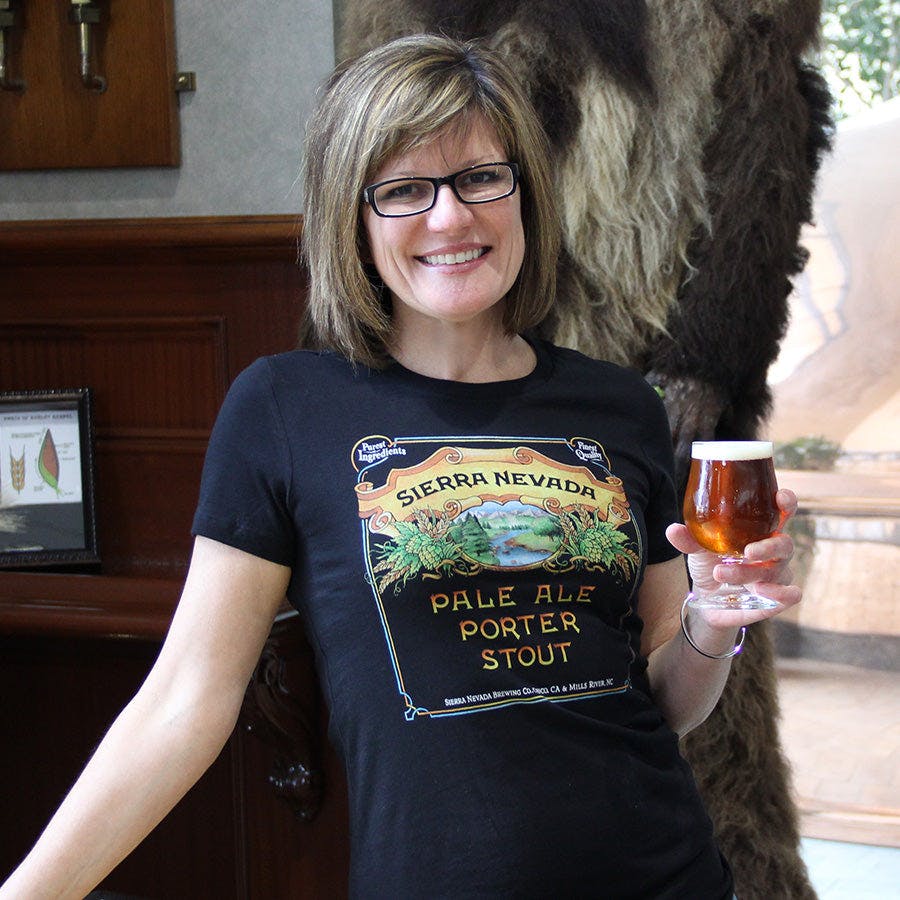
{"x": 687, "y": 135}
{"x": 759, "y": 165}
{"x": 628, "y": 127}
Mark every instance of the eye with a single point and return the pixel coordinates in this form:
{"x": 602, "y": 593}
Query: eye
{"x": 398, "y": 193}
{"x": 482, "y": 177}
{"x": 483, "y": 183}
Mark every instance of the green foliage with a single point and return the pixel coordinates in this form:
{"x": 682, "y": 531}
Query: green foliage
{"x": 420, "y": 546}
{"x": 473, "y": 537}
{"x": 596, "y": 544}
{"x": 860, "y": 52}
{"x": 816, "y": 453}
{"x": 548, "y": 527}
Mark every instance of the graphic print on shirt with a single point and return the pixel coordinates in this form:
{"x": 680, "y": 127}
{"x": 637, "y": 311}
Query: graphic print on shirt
{"x": 502, "y": 568}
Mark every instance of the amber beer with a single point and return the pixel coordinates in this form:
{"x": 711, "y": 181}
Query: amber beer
{"x": 730, "y": 497}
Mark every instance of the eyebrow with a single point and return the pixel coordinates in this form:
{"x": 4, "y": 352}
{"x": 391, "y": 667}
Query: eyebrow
{"x": 482, "y": 159}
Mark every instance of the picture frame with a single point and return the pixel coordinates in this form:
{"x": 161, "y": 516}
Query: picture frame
{"x": 47, "y": 501}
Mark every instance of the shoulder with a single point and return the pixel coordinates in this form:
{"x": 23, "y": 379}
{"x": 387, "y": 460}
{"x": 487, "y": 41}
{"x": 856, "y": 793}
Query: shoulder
{"x": 293, "y": 370}
{"x": 615, "y": 392}
{"x": 600, "y": 373}
{"x": 304, "y": 362}
{"x": 272, "y": 384}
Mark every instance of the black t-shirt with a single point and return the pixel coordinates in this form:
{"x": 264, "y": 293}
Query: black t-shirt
{"x": 466, "y": 559}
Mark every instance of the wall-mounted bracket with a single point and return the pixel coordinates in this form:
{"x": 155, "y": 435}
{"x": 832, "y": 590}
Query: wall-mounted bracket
{"x": 8, "y": 19}
{"x": 85, "y": 13}
{"x": 185, "y": 82}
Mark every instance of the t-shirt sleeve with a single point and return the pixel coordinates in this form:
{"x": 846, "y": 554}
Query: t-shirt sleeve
{"x": 663, "y": 507}
{"x": 246, "y": 483}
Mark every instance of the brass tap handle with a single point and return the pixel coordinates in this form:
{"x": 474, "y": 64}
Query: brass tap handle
{"x": 85, "y": 13}
{"x": 8, "y": 19}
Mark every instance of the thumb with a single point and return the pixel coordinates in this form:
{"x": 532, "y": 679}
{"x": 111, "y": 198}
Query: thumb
{"x": 680, "y": 538}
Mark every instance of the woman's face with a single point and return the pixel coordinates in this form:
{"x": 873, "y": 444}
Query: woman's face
{"x": 416, "y": 256}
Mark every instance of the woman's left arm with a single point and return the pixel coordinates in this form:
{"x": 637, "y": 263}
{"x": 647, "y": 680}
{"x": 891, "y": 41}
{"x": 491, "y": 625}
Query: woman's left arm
{"x": 686, "y": 684}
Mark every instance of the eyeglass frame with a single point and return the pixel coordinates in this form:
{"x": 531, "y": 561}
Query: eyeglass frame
{"x": 437, "y": 183}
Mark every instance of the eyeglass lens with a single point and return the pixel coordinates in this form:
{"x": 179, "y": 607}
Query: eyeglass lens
{"x": 407, "y": 196}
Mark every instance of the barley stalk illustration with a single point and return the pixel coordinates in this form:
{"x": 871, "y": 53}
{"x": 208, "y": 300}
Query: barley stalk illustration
{"x": 17, "y": 471}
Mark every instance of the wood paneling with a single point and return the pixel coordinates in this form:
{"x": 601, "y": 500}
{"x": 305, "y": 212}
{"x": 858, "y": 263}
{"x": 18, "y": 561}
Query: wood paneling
{"x": 196, "y": 239}
{"x": 92, "y": 606}
{"x": 149, "y": 374}
{"x": 157, "y": 317}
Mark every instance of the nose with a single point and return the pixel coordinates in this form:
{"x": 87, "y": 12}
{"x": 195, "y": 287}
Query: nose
{"x": 448, "y": 211}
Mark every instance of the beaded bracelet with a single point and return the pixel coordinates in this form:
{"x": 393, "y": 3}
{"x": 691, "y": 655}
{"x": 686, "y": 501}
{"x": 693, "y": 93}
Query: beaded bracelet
{"x": 734, "y": 650}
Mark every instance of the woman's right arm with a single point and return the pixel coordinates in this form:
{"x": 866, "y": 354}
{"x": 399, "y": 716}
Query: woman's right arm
{"x": 170, "y": 732}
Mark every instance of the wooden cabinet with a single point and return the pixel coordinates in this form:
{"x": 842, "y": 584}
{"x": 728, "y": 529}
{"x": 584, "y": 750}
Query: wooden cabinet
{"x": 230, "y": 838}
{"x": 60, "y": 119}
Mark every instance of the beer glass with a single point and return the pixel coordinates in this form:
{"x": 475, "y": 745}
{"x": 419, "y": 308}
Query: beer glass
{"x": 729, "y": 503}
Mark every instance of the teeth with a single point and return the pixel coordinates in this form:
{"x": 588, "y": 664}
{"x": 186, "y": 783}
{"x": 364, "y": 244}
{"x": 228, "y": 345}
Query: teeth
{"x": 451, "y": 259}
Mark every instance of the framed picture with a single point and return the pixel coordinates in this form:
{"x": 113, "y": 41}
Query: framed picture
{"x": 46, "y": 479}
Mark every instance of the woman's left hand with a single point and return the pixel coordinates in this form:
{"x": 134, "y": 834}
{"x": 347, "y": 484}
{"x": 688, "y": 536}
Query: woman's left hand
{"x": 767, "y": 567}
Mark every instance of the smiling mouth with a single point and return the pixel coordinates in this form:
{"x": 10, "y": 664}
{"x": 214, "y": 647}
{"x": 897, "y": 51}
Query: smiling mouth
{"x": 454, "y": 259}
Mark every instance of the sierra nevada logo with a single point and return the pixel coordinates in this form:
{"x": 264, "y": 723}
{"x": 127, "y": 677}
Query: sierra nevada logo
{"x": 468, "y": 509}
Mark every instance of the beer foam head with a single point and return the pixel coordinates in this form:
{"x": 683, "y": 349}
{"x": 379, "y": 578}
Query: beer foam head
{"x": 731, "y": 449}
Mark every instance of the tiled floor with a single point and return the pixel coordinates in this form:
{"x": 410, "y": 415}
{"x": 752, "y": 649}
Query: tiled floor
{"x": 852, "y": 871}
{"x": 840, "y": 729}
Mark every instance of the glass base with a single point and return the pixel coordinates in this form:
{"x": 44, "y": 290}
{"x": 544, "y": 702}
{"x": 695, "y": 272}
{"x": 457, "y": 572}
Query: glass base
{"x": 731, "y": 597}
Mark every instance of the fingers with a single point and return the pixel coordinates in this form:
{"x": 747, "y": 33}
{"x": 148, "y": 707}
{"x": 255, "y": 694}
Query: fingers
{"x": 784, "y": 594}
{"x": 768, "y": 557}
{"x": 777, "y": 549}
{"x": 772, "y": 554}
{"x": 680, "y": 538}
{"x": 765, "y": 561}
{"x": 787, "y": 502}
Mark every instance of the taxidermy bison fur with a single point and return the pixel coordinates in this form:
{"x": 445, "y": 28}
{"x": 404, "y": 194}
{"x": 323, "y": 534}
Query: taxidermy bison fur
{"x": 687, "y": 135}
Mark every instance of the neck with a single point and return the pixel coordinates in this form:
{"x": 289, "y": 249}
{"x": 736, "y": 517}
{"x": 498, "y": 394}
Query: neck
{"x": 466, "y": 355}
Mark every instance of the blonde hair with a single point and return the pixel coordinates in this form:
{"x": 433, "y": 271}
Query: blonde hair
{"x": 386, "y": 103}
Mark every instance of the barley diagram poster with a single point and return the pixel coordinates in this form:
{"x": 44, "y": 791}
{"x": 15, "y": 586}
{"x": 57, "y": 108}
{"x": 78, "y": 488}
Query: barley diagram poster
{"x": 41, "y": 490}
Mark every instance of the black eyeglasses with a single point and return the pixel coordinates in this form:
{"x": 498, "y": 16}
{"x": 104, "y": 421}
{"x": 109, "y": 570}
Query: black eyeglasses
{"x": 411, "y": 196}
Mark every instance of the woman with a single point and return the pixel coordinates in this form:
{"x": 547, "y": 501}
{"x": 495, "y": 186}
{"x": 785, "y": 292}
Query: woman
{"x": 471, "y": 523}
